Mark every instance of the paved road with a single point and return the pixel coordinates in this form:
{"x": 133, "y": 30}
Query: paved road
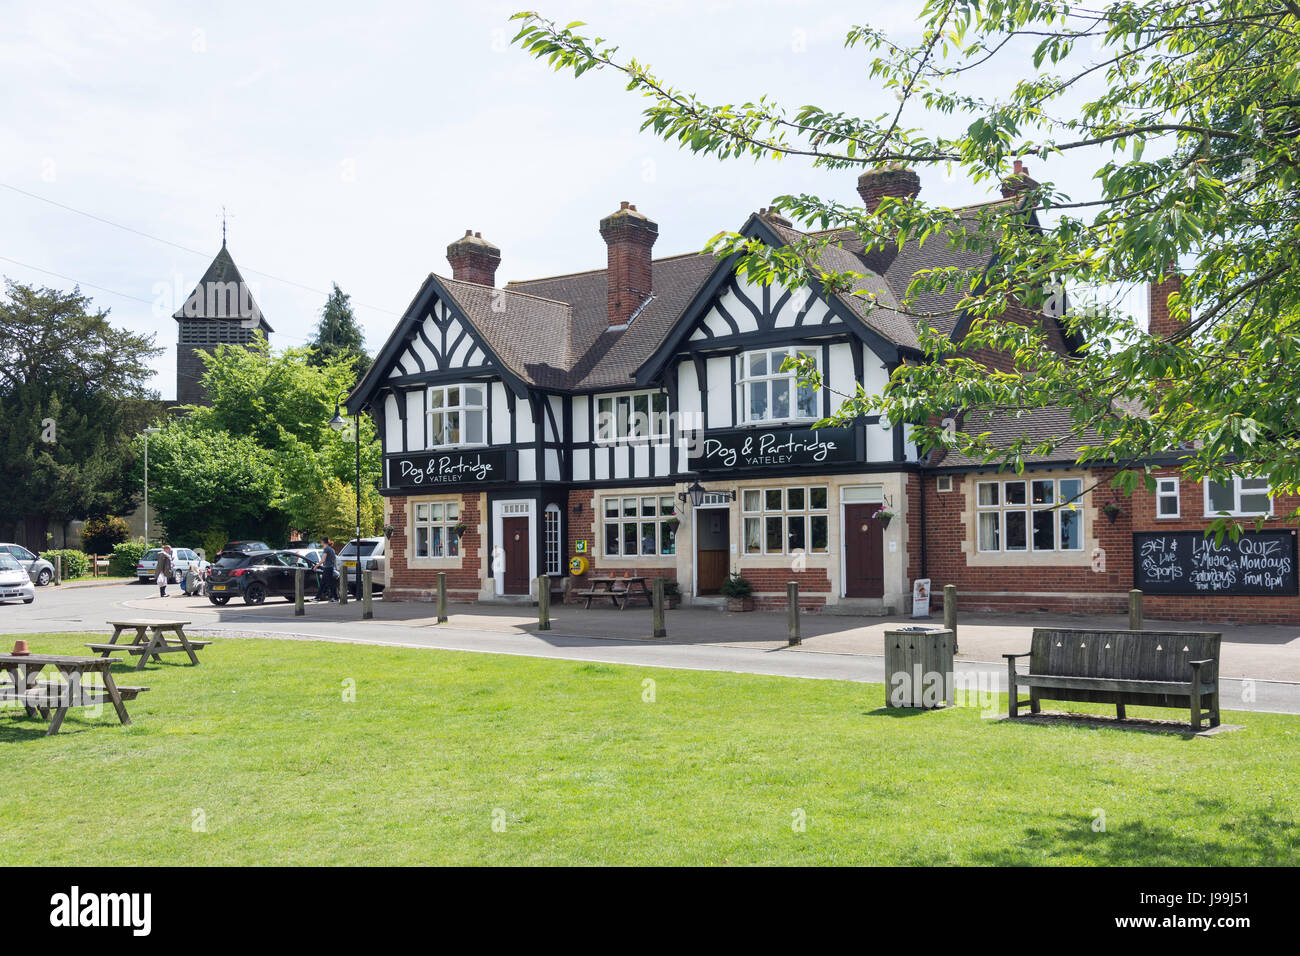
{"x": 513, "y": 631}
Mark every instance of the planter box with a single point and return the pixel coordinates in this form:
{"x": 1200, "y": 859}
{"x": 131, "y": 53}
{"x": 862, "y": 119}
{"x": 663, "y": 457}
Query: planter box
{"x": 919, "y": 668}
{"x": 740, "y": 604}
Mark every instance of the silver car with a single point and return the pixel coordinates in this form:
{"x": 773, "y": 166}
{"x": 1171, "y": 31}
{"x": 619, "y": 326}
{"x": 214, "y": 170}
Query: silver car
{"x": 182, "y": 558}
{"x": 15, "y": 585}
{"x": 37, "y": 568}
{"x": 372, "y": 558}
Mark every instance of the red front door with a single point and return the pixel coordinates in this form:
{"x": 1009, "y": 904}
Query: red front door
{"x": 864, "y": 552}
{"x": 515, "y": 546}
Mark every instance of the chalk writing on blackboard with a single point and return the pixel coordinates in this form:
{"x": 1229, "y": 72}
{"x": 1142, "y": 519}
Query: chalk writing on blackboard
{"x": 1187, "y": 562}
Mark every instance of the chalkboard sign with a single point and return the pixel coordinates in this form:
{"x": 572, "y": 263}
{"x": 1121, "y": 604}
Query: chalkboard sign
{"x": 1187, "y": 562}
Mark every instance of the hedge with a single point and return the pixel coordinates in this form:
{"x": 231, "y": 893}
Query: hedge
{"x": 76, "y": 564}
{"x": 121, "y": 563}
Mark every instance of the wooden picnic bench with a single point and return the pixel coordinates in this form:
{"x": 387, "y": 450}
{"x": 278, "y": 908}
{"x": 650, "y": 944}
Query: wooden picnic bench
{"x": 607, "y": 587}
{"x": 52, "y": 699}
{"x": 1144, "y": 668}
{"x": 155, "y": 645}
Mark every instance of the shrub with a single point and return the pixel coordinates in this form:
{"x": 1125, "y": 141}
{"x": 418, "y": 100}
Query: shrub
{"x": 125, "y": 555}
{"x": 101, "y": 535}
{"x": 212, "y": 541}
{"x": 75, "y": 563}
{"x": 736, "y": 586}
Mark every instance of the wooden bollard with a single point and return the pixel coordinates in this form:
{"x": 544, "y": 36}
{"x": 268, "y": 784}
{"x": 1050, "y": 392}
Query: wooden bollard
{"x": 367, "y": 612}
{"x": 58, "y": 569}
{"x": 657, "y": 601}
{"x": 343, "y": 585}
{"x": 950, "y": 612}
{"x": 1135, "y": 610}
{"x": 298, "y": 582}
{"x": 792, "y": 612}
{"x": 544, "y": 602}
{"x": 442, "y": 597}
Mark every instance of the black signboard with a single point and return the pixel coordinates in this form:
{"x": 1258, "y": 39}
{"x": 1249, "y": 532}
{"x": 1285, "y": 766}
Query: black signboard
{"x": 431, "y": 469}
{"x": 750, "y": 448}
{"x": 1187, "y": 562}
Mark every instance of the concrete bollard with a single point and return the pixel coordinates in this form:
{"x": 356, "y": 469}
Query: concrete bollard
{"x": 367, "y": 612}
{"x": 1135, "y": 610}
{"x": 442, "y": 597}
{"x": 657, "y": 601}
{"x": 544, "y": 602}
{"x": 298, "y": 583}
{"x": 792, "y": 612}
{"x": 950, "y": 612}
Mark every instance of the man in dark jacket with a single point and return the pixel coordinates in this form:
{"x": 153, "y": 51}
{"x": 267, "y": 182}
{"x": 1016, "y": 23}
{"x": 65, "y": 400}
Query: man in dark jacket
{"x": 164, "y": 569}
{"x": 327, "y": 591}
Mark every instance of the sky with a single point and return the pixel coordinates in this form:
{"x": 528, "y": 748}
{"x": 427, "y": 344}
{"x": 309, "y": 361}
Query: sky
{"x": 352, "y": 143}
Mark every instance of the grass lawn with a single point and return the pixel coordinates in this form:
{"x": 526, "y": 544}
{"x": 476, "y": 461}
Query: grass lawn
{"x": 259, "y": 745}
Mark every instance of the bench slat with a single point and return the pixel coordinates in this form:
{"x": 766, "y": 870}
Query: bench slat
{"x": 1109, "y": 683}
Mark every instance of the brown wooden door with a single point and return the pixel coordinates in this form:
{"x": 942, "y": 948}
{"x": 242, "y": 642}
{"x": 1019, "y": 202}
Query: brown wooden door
{"x": 515, "y": 546}
{"x": 713, "y": 554}
{"x": 864, "y": 552}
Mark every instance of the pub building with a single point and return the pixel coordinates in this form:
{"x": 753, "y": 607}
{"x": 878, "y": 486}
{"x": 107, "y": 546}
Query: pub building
{"x": 634, "y": 420}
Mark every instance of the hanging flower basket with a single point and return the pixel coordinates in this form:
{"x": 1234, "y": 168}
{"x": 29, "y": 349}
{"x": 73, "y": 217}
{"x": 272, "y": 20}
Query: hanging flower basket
{"x": 388, "y": 530}
{"x": 884, "y": 517}
{"x": 459, "y": 530}
{"x": 1111, "y": 510}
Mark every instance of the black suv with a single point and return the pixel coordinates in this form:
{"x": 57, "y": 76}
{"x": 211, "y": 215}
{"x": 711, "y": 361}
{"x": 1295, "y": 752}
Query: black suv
{"x": 257, "y": 575}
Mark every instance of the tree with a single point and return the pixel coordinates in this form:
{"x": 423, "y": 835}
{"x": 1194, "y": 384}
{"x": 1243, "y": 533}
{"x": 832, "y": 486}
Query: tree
{"x": 100, "y": 535}
{"x": 72, "y": 396}
{"x": 262, "y": 459}
{"x": 339, "y": 334}
{"x": 1188, "y": 112}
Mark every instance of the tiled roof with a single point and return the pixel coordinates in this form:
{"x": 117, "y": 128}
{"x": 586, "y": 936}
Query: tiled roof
{"x": 222, "y": 302}
{"x": 1005, "y": 426}
{"x": 554, "y": 332}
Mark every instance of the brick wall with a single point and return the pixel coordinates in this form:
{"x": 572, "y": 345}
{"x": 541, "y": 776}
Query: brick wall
{"x": 421, "y": 584}
{"x": 1081, "y": 589}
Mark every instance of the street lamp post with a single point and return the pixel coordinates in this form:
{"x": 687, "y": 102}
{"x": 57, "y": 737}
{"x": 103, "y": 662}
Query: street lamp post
{"x": 338, "y": 424}
{"x": 147, "y": 433}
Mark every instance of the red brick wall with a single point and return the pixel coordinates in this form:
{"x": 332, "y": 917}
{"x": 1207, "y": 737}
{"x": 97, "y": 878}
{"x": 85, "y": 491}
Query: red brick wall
{"x": 1080, "y": 589}
{"x": 769, "y": 586}
{"x": 421, "y": 584}
{"x": 1159, "y": 322}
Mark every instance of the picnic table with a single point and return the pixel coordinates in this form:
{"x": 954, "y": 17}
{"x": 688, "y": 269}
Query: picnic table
{"x": 155, "y": 645}
{"x": 51, "y": 699}
{"x": 608, "y": 587}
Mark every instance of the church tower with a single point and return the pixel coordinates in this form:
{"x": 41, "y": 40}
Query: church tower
{"x": 219, "y": 311}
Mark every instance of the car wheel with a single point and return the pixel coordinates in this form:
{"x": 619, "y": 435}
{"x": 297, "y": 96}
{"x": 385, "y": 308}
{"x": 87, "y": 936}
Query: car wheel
{"x": 219, "y": 601}
{"x": 43, "y": 578}
{"x": 254, "y": 594}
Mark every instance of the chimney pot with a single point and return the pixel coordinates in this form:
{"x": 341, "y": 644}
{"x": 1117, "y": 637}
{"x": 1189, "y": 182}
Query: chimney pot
{"x": 897, "y": 182}
{"x": 629, "y": 237}
{"x": 1018, "y": 182}
{"x": 474, "y": 259}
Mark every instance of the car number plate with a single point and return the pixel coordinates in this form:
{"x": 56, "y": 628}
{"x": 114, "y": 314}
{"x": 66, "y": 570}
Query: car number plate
{"x": 218, "y": 587}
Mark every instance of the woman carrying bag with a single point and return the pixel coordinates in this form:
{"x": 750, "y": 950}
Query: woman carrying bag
{"x": 164, "y": 569}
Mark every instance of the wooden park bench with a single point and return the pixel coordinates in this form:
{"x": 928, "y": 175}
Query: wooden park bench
{"x": 619, "y": 590}
{"x": 156, "y": 644}
{"x": 52, "y": 699}
{"x": 1144, "y": 668}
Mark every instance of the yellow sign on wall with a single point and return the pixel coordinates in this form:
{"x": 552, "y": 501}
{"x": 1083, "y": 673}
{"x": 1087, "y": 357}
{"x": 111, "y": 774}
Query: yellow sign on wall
{"x": 580, "y": 546}
{"x": 578, "y": 565}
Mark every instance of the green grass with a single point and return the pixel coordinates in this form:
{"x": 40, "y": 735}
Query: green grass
{"x": 260, "y": 741}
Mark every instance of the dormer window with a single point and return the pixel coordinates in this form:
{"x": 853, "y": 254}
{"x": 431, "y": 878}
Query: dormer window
{"x": 456, "y": 415}
{"x": 768, "y": 394}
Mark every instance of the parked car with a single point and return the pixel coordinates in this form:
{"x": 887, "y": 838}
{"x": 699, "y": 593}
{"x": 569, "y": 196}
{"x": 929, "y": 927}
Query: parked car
{"x": 258, "y": 575}
{"x": 372, "y": 559}
{"x": 243, "y": 547}
{"x": 38, "y": 569}
{"x": 15, "y": 584}
{"x": 146, "y": 569}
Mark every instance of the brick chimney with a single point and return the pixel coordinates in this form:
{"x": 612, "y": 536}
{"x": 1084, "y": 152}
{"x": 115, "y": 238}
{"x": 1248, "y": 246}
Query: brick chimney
{"x": 1159, "y": 322}
{"x": 1018, "y": 182}
{"x": 629, "y": 237}
{"x": 474, "y": 259}
{"x": 897, "y": 181}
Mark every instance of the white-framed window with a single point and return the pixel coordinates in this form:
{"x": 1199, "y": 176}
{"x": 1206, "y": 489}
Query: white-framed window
{"x": 943, "y": 483}
{"x": 1167, "y": 505}
{"x": 768, "y": 394}
{"x": 1038, "y": 514}
{"x": 457, "y": 415}
{"x": 551, "y": 538}
{"x": 1238, "y": 497}
{"x": 435, "y": 529}
{"x": 785, "y": 520}
{"x": 639, "y": 526}
{"x": 636, "y": 416}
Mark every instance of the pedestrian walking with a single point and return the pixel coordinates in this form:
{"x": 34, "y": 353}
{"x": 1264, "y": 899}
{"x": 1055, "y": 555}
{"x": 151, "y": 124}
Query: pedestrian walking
{"x": 164, "y": 569}
{"x": 327, "y": 590}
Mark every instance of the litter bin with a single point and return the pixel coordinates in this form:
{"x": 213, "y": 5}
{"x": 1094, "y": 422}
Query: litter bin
{"x": 918, "y": 667}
